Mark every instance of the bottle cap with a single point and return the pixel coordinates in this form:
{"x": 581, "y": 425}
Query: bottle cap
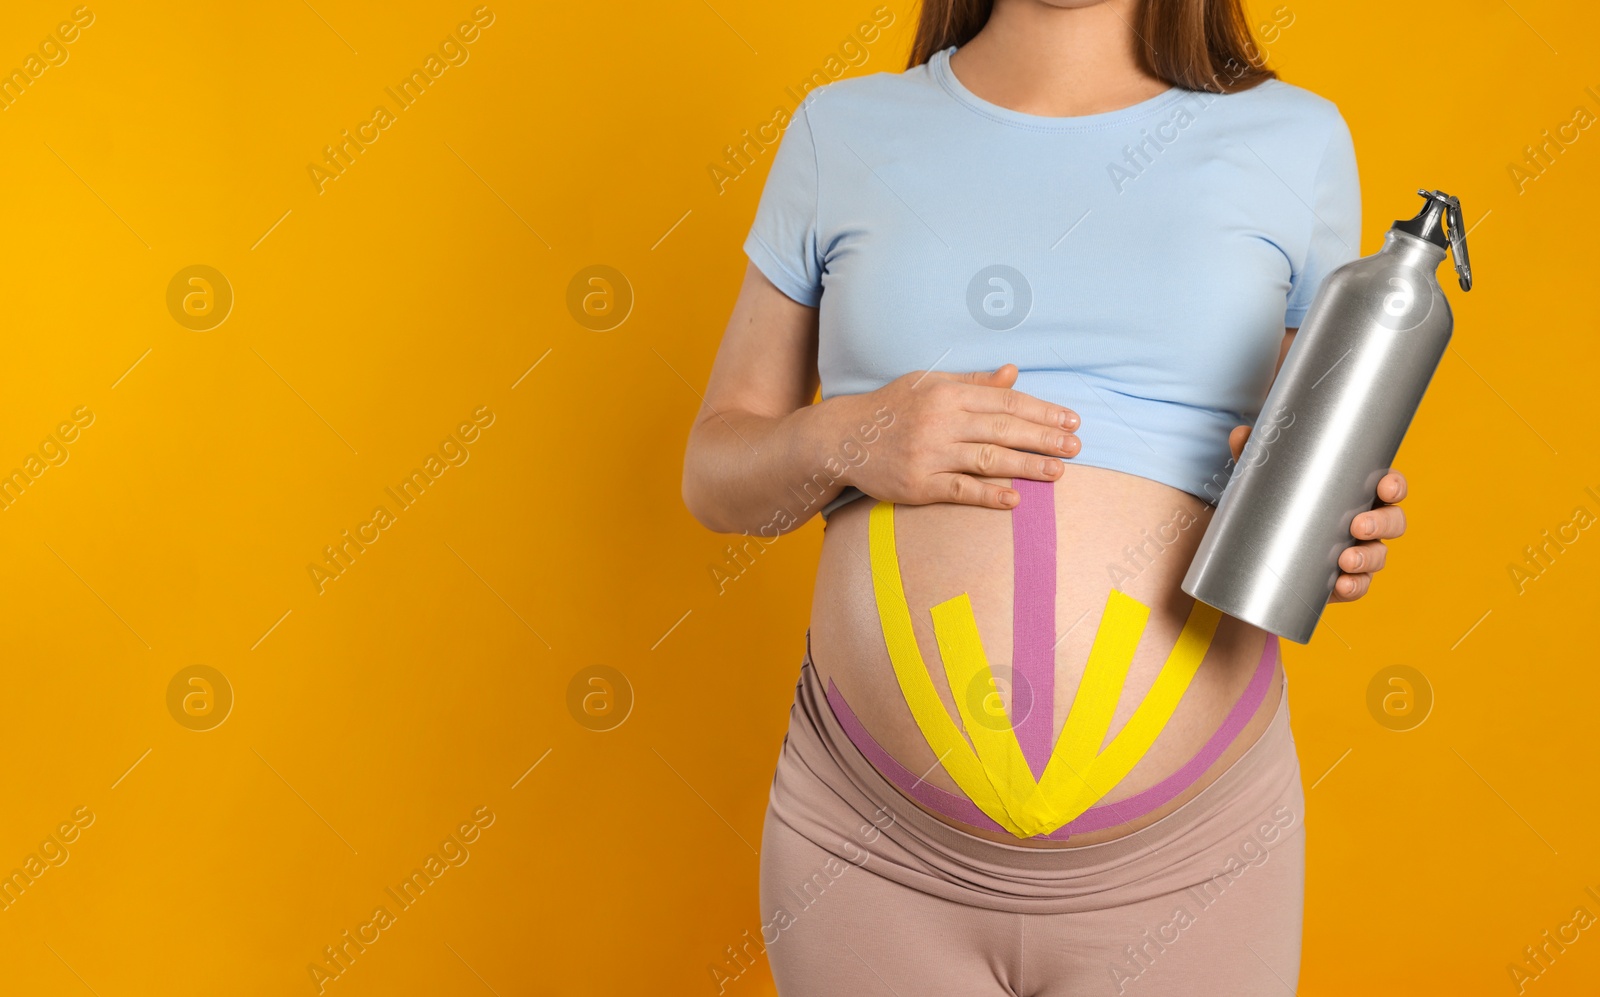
{"x": 1439, "y": 210}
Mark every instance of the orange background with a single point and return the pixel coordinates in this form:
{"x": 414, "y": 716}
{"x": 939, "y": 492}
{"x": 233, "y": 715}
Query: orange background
{"x": 432, "y": 678}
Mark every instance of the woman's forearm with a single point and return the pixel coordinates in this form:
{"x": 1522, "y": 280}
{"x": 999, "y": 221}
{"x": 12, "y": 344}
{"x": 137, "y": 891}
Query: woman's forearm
{"x": 767, "y": 475}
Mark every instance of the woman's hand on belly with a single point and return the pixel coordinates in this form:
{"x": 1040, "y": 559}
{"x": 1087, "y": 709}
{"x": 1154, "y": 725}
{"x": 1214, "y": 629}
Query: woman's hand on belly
{"x": 948, "y": 429}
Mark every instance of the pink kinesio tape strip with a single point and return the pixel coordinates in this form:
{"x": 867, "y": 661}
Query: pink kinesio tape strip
{"x": 1097, "y": 818}
{"x": 1033, "y": 620}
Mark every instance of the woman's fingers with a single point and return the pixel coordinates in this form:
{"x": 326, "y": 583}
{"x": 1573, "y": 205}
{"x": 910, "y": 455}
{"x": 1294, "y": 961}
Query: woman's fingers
{"x": 1364, "y": 557}
{"x": 983, "y": 398}
{"x": 996, "y": 376}
{"x": 1017, "y": 433}
{"x": 964, "y": 489}
{"x": 1392, "y": 487}
{"x": 1236, "y": 440}
{"x": 994, "y": 461}
{"x": 1358, "y": 561}
{"x": 1385, "y": 522}
{"x": 1349, "y": 588}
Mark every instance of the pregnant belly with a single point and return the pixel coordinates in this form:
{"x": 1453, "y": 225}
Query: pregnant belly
{"x": 1043, "y": 697}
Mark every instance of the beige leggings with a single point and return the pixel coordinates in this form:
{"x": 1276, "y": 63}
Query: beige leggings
{"x": 862, "y": 893}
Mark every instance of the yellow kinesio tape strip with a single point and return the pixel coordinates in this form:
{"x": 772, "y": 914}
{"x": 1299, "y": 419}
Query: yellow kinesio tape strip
{"x": 1065, "y": 793}
{"x": 961, "y": 649}
{"x": 1150, "y": 718}
{"x": 1067, "y": 773}
{"x": 1115, "y": 641}
{"x": 996, "y": 776}
{"x": 927, "y": 710}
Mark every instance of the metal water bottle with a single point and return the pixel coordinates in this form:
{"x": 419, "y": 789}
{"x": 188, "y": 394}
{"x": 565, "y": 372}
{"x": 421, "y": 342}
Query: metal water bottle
{"x": 1330, "y": 427}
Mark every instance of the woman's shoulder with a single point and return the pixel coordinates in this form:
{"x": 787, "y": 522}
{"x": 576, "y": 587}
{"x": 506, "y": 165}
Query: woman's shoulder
{"x": 1279, "y": 103}
{"x": 868, "y": 94}
{"x": 1293, "y": 127}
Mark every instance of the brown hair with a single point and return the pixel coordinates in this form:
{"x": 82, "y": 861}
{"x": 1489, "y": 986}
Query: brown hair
{"x": 1194, "y": 44}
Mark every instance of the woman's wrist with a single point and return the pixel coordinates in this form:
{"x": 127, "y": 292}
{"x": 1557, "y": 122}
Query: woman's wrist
{"x": 764, "y": 464}
{"x": 831, "y": 441}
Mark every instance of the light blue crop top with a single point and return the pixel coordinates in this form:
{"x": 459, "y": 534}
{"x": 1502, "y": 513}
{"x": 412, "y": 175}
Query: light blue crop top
{"x": 1138, "y": 266}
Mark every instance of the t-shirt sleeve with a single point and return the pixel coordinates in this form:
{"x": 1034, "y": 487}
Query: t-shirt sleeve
{"x": 1335, "y": 223}
{"x": 783, "y": 238}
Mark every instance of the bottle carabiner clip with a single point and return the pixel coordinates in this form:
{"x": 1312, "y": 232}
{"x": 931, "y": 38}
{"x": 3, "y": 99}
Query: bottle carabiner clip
{"x": 1457, "y": 234}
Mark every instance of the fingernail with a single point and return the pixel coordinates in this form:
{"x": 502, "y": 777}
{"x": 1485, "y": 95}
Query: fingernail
{"x": 1061, "y": 442}
{"x": 1052, "y": 467}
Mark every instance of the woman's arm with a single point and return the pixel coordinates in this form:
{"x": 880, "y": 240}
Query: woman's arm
{"x": 756, "y": 427}
{"x": 758, "y": 443}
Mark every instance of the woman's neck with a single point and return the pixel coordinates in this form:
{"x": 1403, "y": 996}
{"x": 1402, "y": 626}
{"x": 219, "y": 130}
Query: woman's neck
{"x": 1057, "y": 61}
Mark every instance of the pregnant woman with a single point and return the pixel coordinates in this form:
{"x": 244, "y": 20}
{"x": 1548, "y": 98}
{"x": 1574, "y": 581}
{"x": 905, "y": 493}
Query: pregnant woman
{"x": 1044, "y": 279}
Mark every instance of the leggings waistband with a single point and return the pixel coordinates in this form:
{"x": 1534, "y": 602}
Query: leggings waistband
{"x": 827, "y": 791}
